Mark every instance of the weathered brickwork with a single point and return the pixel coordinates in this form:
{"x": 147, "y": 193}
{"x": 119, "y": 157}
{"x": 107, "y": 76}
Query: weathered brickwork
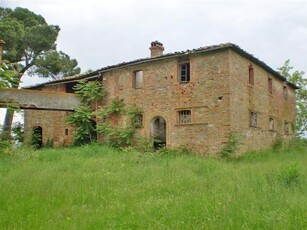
{"x": 199, "y": 114}
{"x": 53, "y": 123}
{"x": 246, "y": 98}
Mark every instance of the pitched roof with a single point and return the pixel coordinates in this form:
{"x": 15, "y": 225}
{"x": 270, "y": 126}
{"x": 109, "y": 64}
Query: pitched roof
{"x": 222, "y": 46}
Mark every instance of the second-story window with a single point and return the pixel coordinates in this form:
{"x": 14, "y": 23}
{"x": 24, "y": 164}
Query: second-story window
{"x": 138, "y": 79}
{"x": 270, "y": 85}
{"x": 251, "y": 74}
{"x": 285, "y": 93}
{"x": 184, "y": 73}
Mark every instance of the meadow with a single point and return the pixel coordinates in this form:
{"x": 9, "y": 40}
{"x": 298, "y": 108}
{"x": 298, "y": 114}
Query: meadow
{"x": 97, "y": 187}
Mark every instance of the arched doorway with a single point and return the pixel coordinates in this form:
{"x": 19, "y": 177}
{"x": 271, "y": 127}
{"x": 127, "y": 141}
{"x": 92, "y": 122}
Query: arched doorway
{"x": 37, "y": 137}
{"x": 158, "y": 131}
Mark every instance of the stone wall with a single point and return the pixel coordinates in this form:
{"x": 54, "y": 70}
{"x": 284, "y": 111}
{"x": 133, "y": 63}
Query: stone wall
{"x": 53, "y": 123}
{"x": 246, "y": 97}
{"x": 206, "y": 95}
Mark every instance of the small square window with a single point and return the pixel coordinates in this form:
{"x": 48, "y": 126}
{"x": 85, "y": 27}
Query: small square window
{"x": 285, "y": 93}
{"x": 251, "y": 74}
{"x": 271, "y": 123}
{"x": 184, "y": 71}
{"x": 253, "y": 119}
{"x": 270, "y": 85}
{"x": 137, "y": 121}
{"x": 184, "y": 117}
{"x": 138, "y": 79}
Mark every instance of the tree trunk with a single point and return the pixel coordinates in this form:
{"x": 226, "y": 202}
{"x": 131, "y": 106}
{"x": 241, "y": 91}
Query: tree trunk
{"x": 7, "y": 125}
{"x": 9, "y": 115}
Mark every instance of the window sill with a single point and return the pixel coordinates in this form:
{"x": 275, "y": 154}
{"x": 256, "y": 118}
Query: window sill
{"x": 191, "y": 124}
{"x": 254, "y": 127}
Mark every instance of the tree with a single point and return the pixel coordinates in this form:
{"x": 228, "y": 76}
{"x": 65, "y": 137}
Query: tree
{"x": 31, "y": 42}
{"x": 297, "y": 78}
{"x": 8, "y": 75}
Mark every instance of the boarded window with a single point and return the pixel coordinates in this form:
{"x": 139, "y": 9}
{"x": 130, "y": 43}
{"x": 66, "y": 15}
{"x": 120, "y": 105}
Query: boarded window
{"x": 253, "y": 119}
{"x": 271, "y": 123}
{"x": 184, "y": 72}
{"x": 285, "y": 93}
{"x": 137, "y": 121}
{"x": 270, "y": 85}
{"x": 138, "y": 79}
{"x": 184, "y": 117}
{"x": 251, "y": 74}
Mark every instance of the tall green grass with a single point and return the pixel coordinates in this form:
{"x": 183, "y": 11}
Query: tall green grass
{"x": 96, "y": 187}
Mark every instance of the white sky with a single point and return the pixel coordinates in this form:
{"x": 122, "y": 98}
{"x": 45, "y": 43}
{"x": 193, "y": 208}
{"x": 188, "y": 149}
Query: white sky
{"x": 104, "y": 32}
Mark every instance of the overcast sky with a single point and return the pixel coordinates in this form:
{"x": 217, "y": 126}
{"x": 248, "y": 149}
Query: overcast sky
{"x": 104, "y": 32}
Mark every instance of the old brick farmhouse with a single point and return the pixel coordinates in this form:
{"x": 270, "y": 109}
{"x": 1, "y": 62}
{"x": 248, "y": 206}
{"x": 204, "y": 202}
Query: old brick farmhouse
{"x": 195, "y": 98}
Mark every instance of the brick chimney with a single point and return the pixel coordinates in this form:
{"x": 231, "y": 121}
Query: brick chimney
{"x": 156, "y": 49}
{"x": 1, "y": 49}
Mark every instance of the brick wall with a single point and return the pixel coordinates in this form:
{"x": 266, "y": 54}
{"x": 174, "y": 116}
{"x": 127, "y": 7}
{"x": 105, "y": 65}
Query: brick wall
{"x": 257, "y": 98}
{"x": 53, "y": 123}
{"x": 207, "y": 96}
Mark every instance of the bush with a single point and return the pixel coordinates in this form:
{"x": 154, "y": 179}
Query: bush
{"x": 278, "y": 144}
{"x": 229, "y": 150}
{"x": 36, "y": 139}
{"x": 289, "y": 176}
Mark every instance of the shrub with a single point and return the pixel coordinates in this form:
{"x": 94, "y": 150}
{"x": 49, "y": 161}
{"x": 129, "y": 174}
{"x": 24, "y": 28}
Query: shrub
{"x": 278, "y": 144}
{"x": 228, "y": 151}
{"x": 289, "y": 176}
{"x": 36, "y": 139}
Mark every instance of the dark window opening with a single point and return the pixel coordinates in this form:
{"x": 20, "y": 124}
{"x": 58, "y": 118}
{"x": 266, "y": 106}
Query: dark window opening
{"x": 253, "y": 119}
{"x": 66, "y": 132}
{"x": 184, "y": 117}
{"x": 270, "y": 85}
{"x": 251, "y": 74}
{"x": 184, "y": 72}
{"x": 137, "y": 121}
{"x": 93, "y": 131}
{"x": 285, "y": 93}
{"x": 287, "y": 127}
{"x": 70, "y": 87}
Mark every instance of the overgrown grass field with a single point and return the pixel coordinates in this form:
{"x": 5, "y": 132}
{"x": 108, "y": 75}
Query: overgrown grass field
{"x": 97, "y": 187}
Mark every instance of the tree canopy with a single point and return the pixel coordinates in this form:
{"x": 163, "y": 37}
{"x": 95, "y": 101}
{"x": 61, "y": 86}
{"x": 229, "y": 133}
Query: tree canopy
{"x": 31, "y": 42}
{"x": 297, "y": 78}
{"x": 8, "y": 75}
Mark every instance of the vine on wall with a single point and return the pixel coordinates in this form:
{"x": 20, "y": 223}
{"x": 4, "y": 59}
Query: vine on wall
{"x": 107, "y": 117}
